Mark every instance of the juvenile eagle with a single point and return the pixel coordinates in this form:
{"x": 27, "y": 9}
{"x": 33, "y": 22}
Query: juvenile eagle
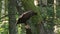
{"x": 25, "y": 16}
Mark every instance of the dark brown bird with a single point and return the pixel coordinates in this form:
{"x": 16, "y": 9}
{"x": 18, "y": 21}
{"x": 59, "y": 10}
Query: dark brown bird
{"x": 25, "y": 16}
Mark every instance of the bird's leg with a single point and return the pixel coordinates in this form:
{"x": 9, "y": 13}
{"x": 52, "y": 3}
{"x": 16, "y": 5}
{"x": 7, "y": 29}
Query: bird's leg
{"x": 28, "y": 29}
{"x": 27, "y": 26}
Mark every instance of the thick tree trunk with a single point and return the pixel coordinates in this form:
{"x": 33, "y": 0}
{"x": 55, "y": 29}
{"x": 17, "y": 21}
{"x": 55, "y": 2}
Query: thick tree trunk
{"x": 12, "y": 18}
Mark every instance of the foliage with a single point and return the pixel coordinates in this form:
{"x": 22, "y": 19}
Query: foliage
{"x": 34, "y": 21}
